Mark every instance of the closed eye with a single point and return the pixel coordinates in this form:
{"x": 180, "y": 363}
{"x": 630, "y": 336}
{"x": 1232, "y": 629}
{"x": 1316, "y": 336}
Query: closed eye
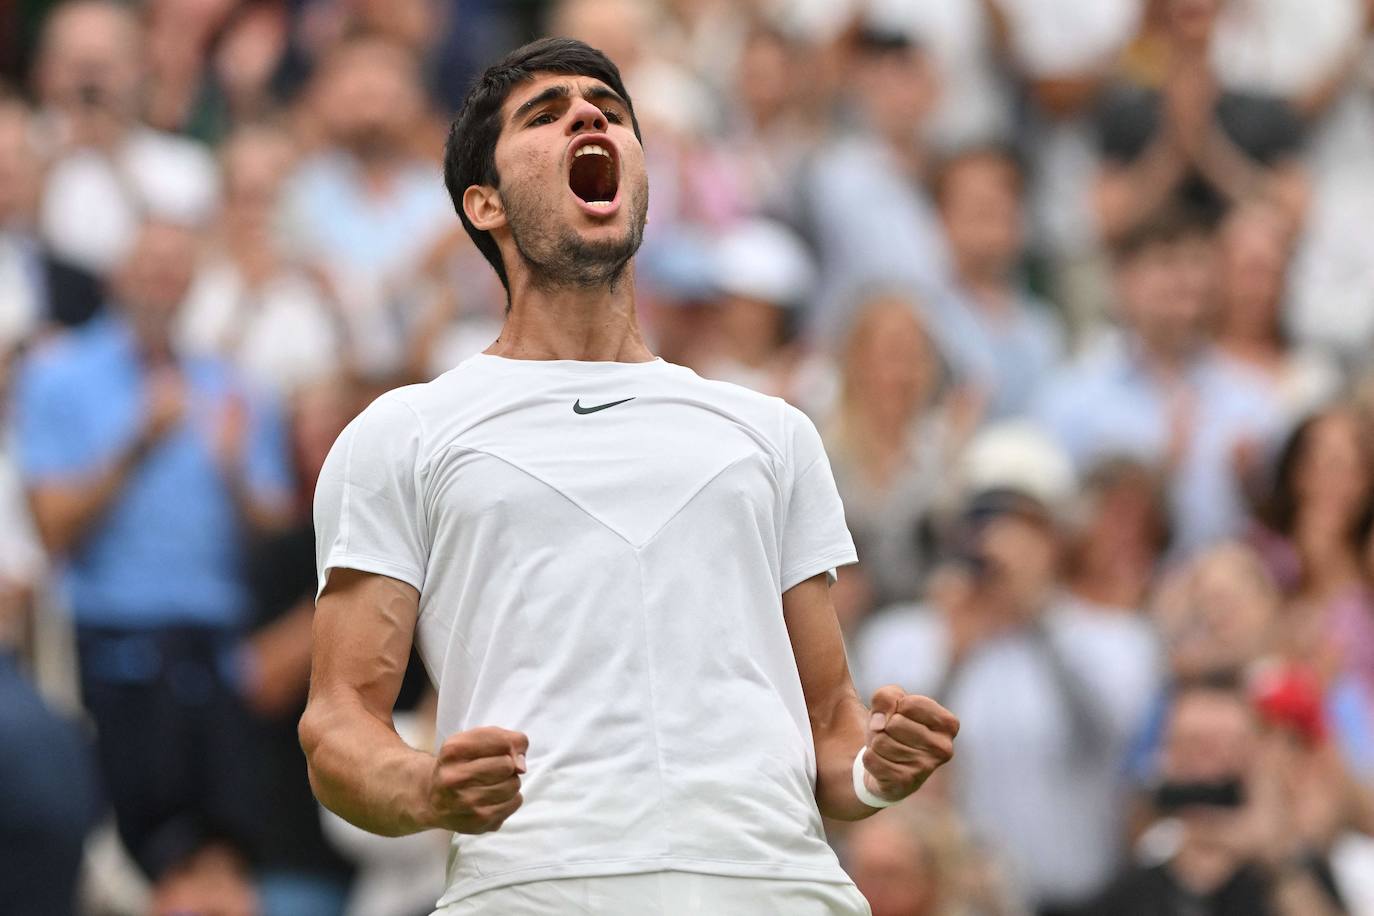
{"x": 612, "y": 115}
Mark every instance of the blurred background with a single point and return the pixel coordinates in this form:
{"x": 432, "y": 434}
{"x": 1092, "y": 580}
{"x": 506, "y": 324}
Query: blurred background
{"x": 1079, "y": 292}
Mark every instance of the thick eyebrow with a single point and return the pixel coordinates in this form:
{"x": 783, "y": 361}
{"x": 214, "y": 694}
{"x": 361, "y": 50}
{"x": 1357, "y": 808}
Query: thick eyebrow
{"x": 561, "y": 91}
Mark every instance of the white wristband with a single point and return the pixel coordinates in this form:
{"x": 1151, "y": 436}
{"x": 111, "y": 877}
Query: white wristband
{"x": 861, "y": 790}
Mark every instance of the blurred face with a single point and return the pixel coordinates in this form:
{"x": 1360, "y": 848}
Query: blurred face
{"x": 891, "y": 365}
{"x": 19, "y": 170}
{"x": 1165, "y": 291}
{"x": 891, "y": 870}
{"x": 1211, "y": 737}
{"x": 981, "y": 208}
{"x": 89, "y": 60}
{"x": 573, "y": 188}
{"x": 1254, "y": 256}
{"x": 370, "y": 98}
{"x": 1191, "y": 21}
{"x": 1221, "y": 616}
{"x": 898, "y": 90}
{"x": 764, "y": 81}
{"x": 1125, "y": 520}
{"x": 1021, "y": 558}
{"x": 1333, "y": 473}
{"x": 255, "y": 163}
{"x": 617, "y": 28}
{"x": 752, "y": 327}
{"x": 155, "y": 277}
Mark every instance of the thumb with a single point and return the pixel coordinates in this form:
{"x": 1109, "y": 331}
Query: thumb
{"x": 884, "y": 706}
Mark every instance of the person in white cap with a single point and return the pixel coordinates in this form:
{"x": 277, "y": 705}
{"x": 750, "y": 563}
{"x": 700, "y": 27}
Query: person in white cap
{"x": 1049, "y": 689}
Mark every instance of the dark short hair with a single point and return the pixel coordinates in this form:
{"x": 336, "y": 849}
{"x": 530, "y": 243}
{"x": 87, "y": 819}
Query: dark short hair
{"x": 1171, "y": 223}
{"x": 470, "y": 153}
{"x": 994, "y": 150}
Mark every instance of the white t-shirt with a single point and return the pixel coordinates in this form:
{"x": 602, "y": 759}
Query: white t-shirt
{"x": 608, "y": 582}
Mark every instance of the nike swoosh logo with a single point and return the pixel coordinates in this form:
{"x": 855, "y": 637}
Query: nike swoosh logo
{"x": 578, "y": 408}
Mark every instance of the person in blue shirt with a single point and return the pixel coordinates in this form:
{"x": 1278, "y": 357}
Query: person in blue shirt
{"x": 1157, "y": 391}
{"x": 148, "y": 472}
{"x": 995, "y": 333}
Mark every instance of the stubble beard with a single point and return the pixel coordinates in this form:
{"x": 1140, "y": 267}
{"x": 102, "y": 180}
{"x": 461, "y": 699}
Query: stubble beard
{"x": 558, "y": 257}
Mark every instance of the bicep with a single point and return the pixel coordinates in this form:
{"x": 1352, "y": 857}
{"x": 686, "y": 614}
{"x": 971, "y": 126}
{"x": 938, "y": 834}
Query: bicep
{"x": 818, "y": 646}
{"x": 363, "y": 631}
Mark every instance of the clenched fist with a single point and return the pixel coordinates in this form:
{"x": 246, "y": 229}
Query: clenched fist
{"x": 475, "y": 784}
{"x": 909, "y": 737}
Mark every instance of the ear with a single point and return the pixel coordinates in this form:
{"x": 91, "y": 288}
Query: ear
{"x": 483, "y": 207}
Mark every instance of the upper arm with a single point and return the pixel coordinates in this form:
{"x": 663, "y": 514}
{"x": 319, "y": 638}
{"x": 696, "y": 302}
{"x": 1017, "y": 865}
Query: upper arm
{"x": 818, "y": 647}
{"x": 363, "y": 631}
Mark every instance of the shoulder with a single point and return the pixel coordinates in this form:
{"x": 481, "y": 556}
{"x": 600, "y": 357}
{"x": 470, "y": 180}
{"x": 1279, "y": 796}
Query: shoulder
{"x": 80, "y": 353}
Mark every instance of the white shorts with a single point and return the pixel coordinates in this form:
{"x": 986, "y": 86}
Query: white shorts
{"x": 664, "y": 893}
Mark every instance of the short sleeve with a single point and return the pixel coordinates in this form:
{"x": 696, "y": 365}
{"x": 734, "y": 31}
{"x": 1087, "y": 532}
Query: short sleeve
{"x": 814, "y": 536}
{"x": 369, "y": 510}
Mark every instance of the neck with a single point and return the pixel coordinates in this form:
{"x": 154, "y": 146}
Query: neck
{"x": 596, "y": 323}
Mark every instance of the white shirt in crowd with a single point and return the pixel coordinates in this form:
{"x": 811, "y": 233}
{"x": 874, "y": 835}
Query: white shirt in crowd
{"x": 600, "y": 550}
{"x": 281, "y": 335}
{"x": 1043, "y": 797}
{"x": 93, "y": 202}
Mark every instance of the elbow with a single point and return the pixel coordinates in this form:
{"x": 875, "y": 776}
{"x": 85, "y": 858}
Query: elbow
{"x": 311, "y": 734}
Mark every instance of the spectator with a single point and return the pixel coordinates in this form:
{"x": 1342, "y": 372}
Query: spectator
{"x": 890, "y": 444}
{"x": 213, "y": 66}
{"x": 997, "y": 335}
{"x": 37, "y": 287}
{"x": 1120, "y": 535}
{"x": 1254, "y": 243}
{"x": 1218, "y": 614}
{"x": 894, "y": 236}
{"x": 109, "y": 170}
{"x": 1063, "y": 52}
{"x": 962, "y": 35}
{"x": 365, "y": 208}
{"x": 1159, "y": 393}
{"x": 1191, "y": 141}
{"x": 49, "y": 796}
{"x": 1317, "y": 524}
{"x": 1047, "y": 687}
{"x": 248, "y": 303}
{"x": 765, "y": 276}
{"x": 1242, "y": 847}
{"x": 144, "y": 470}
{"x": 917, "y": 859}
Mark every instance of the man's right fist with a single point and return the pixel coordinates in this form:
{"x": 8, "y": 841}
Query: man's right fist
{"x": 475, "y": 785}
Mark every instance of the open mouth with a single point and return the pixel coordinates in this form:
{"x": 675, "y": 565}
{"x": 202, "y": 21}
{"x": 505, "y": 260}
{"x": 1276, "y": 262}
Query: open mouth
{"x": 594, "y": 175}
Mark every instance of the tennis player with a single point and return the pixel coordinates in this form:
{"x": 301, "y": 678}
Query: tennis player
{"x": 616, "y": 572}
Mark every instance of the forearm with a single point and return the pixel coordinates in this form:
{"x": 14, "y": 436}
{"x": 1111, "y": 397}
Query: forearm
{"x": 65, "y": 513}
{"x": 839, "y": 735}
{"x": 362, "y": 771}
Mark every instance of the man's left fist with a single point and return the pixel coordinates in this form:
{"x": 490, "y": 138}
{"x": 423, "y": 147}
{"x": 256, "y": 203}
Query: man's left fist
{"x": 909, "y": 737}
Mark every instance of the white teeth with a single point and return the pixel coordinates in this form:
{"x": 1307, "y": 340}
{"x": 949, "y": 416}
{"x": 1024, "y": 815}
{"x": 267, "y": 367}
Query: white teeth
{"x": 590, "y": 148}
{"x": 603, "y": 204}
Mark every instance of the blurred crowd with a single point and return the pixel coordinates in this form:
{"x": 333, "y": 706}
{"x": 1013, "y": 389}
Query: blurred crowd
{"x": 1079, "y": 293}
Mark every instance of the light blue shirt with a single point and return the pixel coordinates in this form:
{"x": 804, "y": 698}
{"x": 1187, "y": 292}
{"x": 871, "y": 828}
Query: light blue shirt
{"x": 1108, "y": 404}
{"x": 332, "y": 215}
{"x": 168, "y": 550}
{"x": 875, "y": 230}
{"x": 1009, "y": 356}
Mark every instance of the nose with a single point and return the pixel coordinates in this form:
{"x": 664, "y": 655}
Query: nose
{"x": 586, "y": 117}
